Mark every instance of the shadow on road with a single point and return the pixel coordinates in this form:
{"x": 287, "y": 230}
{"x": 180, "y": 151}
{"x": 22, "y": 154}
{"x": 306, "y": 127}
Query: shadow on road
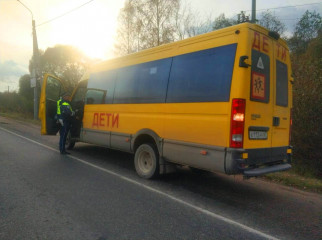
{"x": 252, "y": 202}
{"x": 231, "y": 190}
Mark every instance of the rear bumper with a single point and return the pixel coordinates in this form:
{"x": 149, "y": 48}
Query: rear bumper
{"x": 256, "y": 162}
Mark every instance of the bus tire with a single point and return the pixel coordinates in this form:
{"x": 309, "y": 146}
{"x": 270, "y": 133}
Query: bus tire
{"x": 69, "y": 142}
{"x": 146, "y": 161}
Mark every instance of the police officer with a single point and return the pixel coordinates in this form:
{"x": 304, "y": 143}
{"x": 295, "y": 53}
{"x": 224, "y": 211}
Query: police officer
{"x": 66, "y": 114}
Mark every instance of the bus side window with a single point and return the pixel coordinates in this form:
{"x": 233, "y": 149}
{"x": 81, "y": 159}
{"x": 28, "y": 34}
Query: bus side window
{"x": 203, "y": 76}
{"x": 98, "y": 85}
{"x": 78, "y": 98}
{"x": 143, "y": 83}
{"x": 95, "y": 96}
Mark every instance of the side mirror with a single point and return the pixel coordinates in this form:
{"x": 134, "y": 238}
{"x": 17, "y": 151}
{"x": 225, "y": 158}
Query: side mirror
{"x": 242, "y": 62}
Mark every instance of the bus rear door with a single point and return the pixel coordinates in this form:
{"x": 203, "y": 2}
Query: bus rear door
{"x": 259, "y": 111}
{"x": 281, "y": 98}
{"x": 268, "y": 113}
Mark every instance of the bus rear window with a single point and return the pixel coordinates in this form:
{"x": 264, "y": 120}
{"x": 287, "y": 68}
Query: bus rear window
{"x": 281, "y": 84}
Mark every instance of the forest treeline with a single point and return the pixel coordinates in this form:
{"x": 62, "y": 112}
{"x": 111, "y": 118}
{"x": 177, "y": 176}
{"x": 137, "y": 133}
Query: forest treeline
{"x": 144, "y": 24}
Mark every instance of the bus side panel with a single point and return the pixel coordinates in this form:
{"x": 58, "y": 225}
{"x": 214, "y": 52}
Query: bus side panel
{"x": 205, "y": 76}
{"x": 124, "y": 120}
{"x": 183, "y": 122}
{"x": 101, "y": 138}
{"x": 201, "y": 123}
{"x": 195, "y": 155}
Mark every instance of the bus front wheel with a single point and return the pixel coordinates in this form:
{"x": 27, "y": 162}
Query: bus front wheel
{"x": 146, "y": 161}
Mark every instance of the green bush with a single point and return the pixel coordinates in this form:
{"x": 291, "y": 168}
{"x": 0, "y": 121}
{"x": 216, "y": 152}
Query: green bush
{"x": 13, "y": 102}
{"x": 307, "y": 110}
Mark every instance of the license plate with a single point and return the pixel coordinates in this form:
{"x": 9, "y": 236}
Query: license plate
{"x": 257, "y": 135}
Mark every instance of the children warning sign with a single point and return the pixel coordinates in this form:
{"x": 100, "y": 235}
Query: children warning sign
{"x": 258, "y": 86}
{"x": 260, "y": 64}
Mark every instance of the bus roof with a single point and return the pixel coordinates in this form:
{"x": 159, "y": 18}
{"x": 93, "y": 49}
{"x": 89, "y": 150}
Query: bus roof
{"x": 166, "y": 49}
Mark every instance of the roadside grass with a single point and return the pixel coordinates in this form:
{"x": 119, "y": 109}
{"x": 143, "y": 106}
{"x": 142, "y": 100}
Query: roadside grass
{"x": 292, "y": 179}
{"x": 26, "y": 117}
{"x": 288, "y": 178}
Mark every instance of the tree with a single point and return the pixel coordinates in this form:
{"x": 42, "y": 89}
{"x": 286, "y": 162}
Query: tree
{"x": 184, "y": 20}
{"x": 242, "y": 17}
{"x": 221, "y": 22}
{"x": 306, "y": 29}
{"x": 21, "y": 102}
{"x": 24, "y": 87}
{"x": 199, "y": 27}
{"x": 64, "y": 62}
{"x": 307, "y": 110}
{"x": 148, "y": 23}
{"x": 308, "y": 26}
{"x": 158, "y": 17}
{"x": 271, "y": 22}
{"x": 128, "y": 32}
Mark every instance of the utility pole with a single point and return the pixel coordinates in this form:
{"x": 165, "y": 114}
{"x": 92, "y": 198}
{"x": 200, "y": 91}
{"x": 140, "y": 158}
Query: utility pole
{"x": 34, "y": 73}
{"x": 253, "y": 11}
{"x": 36, "y": 58}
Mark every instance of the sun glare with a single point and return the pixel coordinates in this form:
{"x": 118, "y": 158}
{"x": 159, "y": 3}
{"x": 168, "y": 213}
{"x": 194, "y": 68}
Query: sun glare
{"x": 91, "y": 29}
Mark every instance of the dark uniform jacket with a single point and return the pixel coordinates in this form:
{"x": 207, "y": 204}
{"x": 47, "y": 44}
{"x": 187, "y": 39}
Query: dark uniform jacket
{"x": 66, "y": 111}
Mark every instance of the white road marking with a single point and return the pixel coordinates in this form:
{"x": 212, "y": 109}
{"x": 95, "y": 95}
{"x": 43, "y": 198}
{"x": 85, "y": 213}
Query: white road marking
{"x": 199, "y": 209}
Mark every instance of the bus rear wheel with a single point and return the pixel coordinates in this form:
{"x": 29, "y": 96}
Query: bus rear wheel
{"x": 146, "y": 161}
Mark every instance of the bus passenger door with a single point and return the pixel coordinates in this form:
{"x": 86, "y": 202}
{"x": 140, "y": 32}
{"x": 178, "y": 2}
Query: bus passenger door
{"x": 51, "y": 90}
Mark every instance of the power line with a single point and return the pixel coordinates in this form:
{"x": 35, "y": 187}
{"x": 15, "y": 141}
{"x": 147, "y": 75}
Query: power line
{"x": 64, "y": 14}
{"x": 300, "y": 5}
{"x": 290, "y": 19}
{"x": 307, "y": 4}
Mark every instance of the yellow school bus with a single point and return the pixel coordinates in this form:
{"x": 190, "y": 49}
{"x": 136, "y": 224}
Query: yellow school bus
{"x": 219, "y": 102}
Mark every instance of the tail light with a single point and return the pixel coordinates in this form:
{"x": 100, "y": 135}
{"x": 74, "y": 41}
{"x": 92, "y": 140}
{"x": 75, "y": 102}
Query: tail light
{"x": 237, "y": 123}
{"x": 291, "y": 123}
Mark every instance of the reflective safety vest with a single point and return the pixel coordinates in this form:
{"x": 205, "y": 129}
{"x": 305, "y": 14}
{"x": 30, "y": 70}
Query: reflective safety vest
{"x": 58, "y": 107}
{"x": 66, "y": 104}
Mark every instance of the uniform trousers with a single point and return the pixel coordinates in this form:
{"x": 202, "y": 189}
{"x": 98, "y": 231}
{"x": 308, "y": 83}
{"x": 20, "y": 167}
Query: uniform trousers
{"x": 63, "y": 132}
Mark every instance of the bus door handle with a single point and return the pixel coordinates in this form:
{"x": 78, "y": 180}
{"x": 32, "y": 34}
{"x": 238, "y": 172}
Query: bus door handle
{"x": 276, "y": 121}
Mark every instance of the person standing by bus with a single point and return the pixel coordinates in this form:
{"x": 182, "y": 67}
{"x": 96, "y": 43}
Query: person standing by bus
{"x": 66, "y": 114}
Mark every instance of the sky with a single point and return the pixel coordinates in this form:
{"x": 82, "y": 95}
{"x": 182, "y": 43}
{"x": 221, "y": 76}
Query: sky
{"x": 92, "y": 27}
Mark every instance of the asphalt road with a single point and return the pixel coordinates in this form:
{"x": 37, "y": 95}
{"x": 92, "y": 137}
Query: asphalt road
{"x": 95, "y": 194}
